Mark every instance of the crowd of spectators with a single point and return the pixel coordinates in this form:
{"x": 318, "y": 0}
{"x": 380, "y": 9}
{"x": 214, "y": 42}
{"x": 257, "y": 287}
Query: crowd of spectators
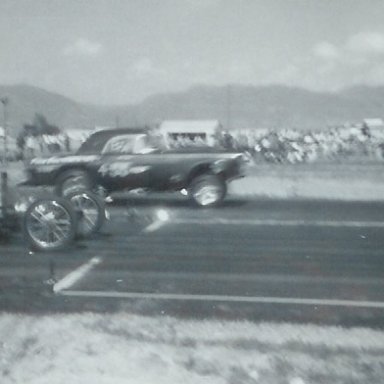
{"x": 276, "y": 146}
{"x": 295, "y": 146}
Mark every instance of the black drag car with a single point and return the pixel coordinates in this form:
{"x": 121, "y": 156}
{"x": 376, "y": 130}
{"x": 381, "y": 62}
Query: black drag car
{"x": 134, "y": 159}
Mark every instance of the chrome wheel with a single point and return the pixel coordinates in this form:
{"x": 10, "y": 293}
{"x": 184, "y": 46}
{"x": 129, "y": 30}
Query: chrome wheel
{"x": 207, "y": 195}
{"x": 207, "y": 190}
{"x": 49, "y": 224}
{"x": 90, "y": 211}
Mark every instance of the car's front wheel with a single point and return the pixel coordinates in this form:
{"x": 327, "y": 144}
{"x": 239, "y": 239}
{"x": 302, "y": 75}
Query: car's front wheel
{"x": 207, "y": 190}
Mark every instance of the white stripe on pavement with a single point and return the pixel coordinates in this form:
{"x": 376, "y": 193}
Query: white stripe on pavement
{"x": 255, "y": 278}
{"x": 223, "y": 298}
{"x": 77, "y": 274}
{"x": 154, "y": 226}
{"x": 283, "y": 223}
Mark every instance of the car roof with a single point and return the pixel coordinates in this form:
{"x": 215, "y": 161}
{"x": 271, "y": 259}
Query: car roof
{"x": 119, "y": 131}
{"x": 106, "y": 134}
{"x": 96, "y": 140}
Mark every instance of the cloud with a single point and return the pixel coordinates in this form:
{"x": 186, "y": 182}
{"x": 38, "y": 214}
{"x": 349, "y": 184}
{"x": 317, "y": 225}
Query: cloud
{"x": 326, "y": 50}
{"x": 328, "y": 67}
{"x": 203, "y": 3}
{"x": 366, "y": 43}
{"x": 144, "y": 67}
{"x": 83, "y": 47}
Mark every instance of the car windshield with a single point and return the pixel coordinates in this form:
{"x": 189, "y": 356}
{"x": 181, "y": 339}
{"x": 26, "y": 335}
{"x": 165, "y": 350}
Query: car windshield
{"x": 122, "y": 144}
{"x": 95, "y": 143}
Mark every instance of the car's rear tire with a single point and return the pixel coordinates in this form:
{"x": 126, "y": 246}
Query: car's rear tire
{"x": 72, "y": 181}
{"x": 50, "y": 224}
{"x": 207, "y": 190}
{"x": 90, "y": 210}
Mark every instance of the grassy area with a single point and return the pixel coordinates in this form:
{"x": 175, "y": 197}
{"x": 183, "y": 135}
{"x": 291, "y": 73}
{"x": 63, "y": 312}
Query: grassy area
{"x": 338, "y": 181}
{"x": 122, "y": 348}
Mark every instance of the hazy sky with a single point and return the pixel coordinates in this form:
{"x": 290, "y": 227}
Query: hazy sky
{"x": 120, "y": 51}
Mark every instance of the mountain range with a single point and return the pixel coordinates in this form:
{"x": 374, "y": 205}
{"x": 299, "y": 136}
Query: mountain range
{"x": 236, "y": 106}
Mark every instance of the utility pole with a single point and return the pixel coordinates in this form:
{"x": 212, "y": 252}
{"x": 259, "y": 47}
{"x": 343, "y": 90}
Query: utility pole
{"x": 229, "y": 102}
{"x": 5, "y": 102}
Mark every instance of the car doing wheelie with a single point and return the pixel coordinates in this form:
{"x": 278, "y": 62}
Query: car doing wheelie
{"x": 129, "y": 159}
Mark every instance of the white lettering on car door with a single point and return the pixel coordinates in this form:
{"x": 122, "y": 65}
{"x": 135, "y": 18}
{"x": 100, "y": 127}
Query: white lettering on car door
{"x": 122, "y": 169}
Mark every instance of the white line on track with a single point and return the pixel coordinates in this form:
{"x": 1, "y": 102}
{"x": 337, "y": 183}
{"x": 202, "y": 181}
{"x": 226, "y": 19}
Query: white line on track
{"x": 154, "y": 226}
{"x": 255, "y": 278}
{"x": 222, "y": 298}
{"x": 283, "y": 223}
{"x": 76, "y": 275}
{"x": 73, "y": 277}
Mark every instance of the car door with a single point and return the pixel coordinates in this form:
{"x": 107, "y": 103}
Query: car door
{"x": 159, "y": 170}
{"x": 122, "y": 167}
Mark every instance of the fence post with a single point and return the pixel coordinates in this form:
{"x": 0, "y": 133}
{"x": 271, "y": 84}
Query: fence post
{"x": 3, "y": 192}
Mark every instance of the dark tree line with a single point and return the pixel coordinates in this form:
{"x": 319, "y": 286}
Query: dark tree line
{"x": 39, "y": 127}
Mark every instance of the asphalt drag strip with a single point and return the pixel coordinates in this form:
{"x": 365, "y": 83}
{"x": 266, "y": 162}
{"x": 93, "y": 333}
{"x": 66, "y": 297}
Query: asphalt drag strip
{"x": 287, "y": 262}
{"x": 259, "y": 269}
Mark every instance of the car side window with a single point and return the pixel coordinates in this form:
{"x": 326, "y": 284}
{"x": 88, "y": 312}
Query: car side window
{"x": 141, "y": 145}
{"x": 123, "y": 144}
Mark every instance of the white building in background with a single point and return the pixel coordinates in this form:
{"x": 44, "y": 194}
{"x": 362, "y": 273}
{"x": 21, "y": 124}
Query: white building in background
{"x": 373, "y": 126}
{"x": 190, "y": 132}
